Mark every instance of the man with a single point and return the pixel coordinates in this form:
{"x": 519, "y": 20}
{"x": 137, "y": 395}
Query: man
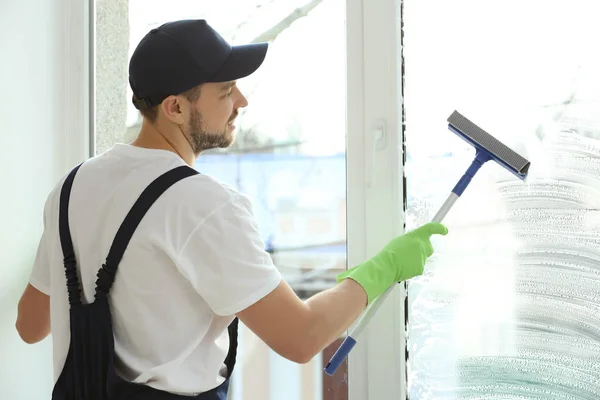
{"x": 187, "y": 249}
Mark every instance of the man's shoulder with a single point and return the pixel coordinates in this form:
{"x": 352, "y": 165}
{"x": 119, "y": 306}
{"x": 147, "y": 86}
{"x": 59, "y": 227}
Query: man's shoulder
{"x": 205, "y": 197}
{"x": 202, "y": 200}
{"x": 53, "y": 197}
{"x": 206, "y": 188}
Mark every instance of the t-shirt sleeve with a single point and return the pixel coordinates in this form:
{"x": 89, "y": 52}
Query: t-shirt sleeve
{"x": 40, "y": 273}
{"x": 225, "y": 259}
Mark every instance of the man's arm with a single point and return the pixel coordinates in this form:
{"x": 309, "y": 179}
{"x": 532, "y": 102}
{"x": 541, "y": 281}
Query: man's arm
{"x": 225, "y": 261}
{"x": 33, "y": 320}
{"x": 300, "y": 330}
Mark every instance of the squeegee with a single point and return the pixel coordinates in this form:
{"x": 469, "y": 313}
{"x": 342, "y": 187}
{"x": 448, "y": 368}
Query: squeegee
{"x": 487, "y": 148}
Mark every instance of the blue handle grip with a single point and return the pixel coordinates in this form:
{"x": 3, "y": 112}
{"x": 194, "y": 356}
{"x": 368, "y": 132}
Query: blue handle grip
{"x": 339, "y": 356}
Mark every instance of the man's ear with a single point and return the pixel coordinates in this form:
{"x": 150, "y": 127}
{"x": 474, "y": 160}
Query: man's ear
{"x": 173, "y": 109}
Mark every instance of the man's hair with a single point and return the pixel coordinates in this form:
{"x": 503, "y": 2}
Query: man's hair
{"x": 151, "y": 114}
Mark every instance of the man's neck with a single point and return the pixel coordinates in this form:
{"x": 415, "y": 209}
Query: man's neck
{"x": 161, "y": 138}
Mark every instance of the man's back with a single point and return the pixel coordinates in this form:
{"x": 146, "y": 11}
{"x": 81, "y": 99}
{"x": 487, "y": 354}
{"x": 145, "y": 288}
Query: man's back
{"x": 182, "y": 277}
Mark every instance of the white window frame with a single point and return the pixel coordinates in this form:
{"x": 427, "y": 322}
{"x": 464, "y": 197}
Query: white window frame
{"x": 77, "y": 136}
{"x": 375, "y": 211}
{"x": 376, "y": 366}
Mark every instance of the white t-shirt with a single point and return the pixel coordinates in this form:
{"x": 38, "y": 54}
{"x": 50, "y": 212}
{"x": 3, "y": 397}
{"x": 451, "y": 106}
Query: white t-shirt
{"x": 195, "y": 260}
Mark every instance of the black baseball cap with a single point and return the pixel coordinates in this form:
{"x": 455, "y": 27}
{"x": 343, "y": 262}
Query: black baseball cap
{"x": 181, "y": 55}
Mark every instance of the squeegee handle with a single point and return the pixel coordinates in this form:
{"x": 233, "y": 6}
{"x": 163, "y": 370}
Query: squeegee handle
{"x": 344, "y": 350}
{"x": 445, "y": 208}
{"x": 349, "y": 342}
{"x": 340, "y": 355}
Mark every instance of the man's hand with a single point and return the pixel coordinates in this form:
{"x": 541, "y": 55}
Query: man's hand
{"x": 404, "y": 257}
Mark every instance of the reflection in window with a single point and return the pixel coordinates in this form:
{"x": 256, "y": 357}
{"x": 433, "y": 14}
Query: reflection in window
{"x": 288, "y": 157}
{"x": 508, "y": 307}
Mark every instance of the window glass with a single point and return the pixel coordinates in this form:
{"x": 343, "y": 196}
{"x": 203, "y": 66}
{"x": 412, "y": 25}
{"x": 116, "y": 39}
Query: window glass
{"x": 508, "y": 306}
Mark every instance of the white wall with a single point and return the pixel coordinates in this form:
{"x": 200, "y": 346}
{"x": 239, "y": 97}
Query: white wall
{"x": 34, "y": 153}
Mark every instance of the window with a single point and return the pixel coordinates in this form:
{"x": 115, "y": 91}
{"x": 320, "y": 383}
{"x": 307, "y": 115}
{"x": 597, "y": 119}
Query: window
{"x": 508, "y": 306}
{"x": 289, "y": 156}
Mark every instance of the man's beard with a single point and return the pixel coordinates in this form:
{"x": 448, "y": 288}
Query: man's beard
{"x": 201, "y": 139}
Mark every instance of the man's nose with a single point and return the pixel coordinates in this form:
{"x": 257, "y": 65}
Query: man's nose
{"x": 241, "y": 99}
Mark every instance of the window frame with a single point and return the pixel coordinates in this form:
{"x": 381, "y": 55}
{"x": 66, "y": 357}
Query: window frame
{"x": 376, "y": 200}
{"x": 77, "y": 136}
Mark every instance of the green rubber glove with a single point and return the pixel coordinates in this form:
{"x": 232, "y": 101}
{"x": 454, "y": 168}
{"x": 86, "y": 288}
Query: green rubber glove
{"x": 402, "y": 258}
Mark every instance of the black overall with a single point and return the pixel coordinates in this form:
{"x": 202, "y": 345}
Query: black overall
{"x": 89, "y": 370}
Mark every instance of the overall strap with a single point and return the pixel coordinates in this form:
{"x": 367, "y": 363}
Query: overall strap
{"x": 69, "y": 260}
{"x": 233, "y": 344}
{"x": 106, "y": 274}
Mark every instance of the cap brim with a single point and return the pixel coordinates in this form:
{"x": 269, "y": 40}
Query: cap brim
{"x": 242, "y": 61}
